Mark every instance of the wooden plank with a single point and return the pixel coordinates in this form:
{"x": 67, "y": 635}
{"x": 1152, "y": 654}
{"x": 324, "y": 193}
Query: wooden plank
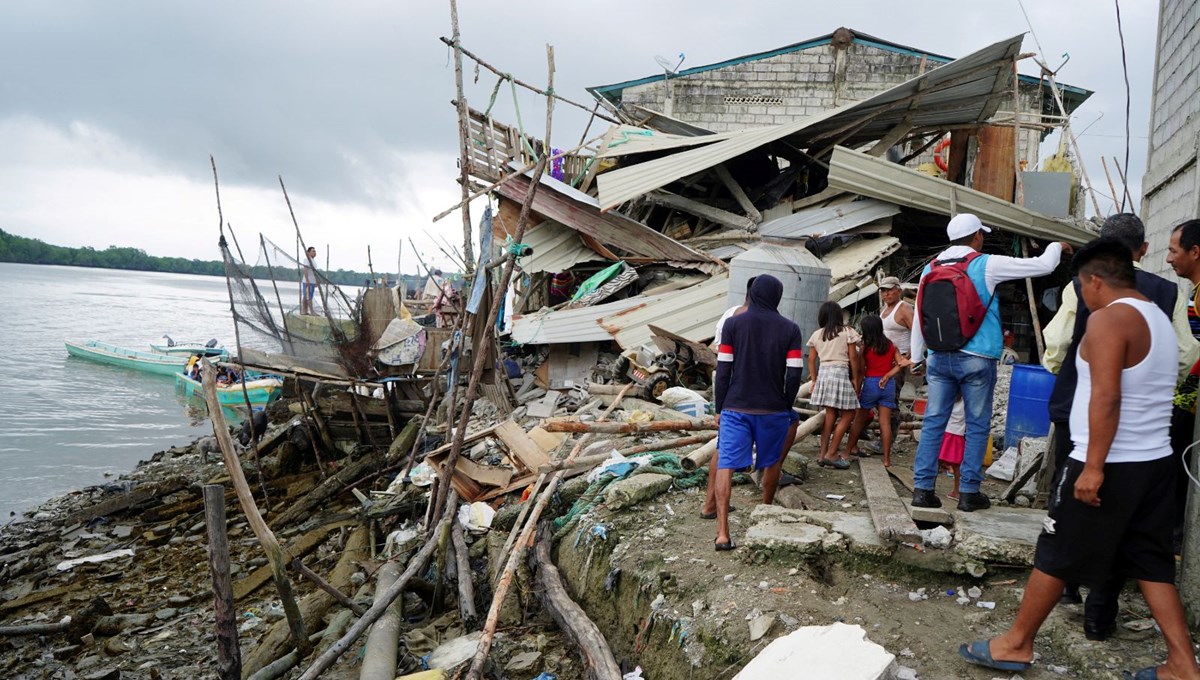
{"x": 546, "y": 441}
{"x": 40, "y": 596}
{"x": 521, "y": 447}
{"x": 938, "y": 515}
{"x": 892, "y": 521}
{"x": 139, "y": 495}
{"x": 298, "y": 548}
{"x": 667, "y": 199}
{"x": 995, "y": 172}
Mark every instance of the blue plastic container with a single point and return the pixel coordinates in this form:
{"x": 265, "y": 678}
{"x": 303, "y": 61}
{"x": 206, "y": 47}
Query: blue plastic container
{"x": 1028, "y": 403}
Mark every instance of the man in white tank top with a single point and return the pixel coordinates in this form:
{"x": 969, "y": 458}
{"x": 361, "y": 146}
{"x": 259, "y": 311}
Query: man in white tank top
{"x": 1110, "y": 512}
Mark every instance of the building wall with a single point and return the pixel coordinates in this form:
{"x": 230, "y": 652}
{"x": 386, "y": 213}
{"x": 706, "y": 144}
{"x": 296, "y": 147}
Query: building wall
{"x": 781, "y": 89}
{"x": 1172, "y": 180}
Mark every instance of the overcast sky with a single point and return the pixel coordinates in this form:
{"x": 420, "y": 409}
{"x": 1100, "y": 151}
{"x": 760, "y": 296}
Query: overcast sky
{"x": 109, "y": 110}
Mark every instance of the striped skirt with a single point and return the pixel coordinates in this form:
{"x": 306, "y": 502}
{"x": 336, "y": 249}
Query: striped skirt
{"x": 834, "y": 389}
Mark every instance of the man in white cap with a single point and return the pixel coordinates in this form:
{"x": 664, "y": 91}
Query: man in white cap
{"x": 965, "y": 365}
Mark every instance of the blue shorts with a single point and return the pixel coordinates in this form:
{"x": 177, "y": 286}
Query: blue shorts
{"x": 752, "y": 438}
{"x": 872, "y": 396}
{"x": 309, "y": 289}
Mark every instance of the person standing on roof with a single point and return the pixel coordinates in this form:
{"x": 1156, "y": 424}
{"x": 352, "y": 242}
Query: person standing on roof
{"x": 759, "y": 364}
{"x": 308, "y": 287}
{"x": 957, "y": 317}
{"x": 1063, "y": 335}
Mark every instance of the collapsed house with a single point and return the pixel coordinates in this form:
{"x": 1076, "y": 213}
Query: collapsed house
{"x": 843, "y": 154}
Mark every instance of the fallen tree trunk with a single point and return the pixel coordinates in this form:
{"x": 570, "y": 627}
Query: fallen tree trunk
{"x": 331, "y": 487}
{"x": 597, "y": 656}
{"x": 379, "y": 608}
{"x": 628, "y": 428}
{"x": 669, "y": 444}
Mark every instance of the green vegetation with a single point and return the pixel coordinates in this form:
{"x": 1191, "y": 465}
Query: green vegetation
{"x": 23, "y": 250}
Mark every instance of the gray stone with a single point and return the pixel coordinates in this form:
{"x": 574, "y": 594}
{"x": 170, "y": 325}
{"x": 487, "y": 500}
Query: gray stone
{"x": 760, "y": 626}
{"x": 166, "y": 614}
{"x": 122, "y": 531}
{"x": 178, "y": 600}
{"x": 792, "y": 536}
{"x": 636, "y": 489}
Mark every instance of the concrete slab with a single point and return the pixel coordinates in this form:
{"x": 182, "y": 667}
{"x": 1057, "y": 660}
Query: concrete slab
{"x": 1005, "y": 535}
{"x": 835, "y": 651}
{"x": 857, "y": 528}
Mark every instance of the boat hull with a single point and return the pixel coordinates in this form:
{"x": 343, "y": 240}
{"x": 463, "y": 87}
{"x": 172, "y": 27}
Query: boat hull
{"x": 112, "y": 355}
{"x": 261, "y": 391}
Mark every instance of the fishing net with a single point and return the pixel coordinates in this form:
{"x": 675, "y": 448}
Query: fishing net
{"x": 268, "y": 303}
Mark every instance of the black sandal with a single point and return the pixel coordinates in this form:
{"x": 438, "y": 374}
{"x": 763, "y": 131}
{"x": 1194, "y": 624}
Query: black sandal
{"x": 723, "y": 547}
{"x": 706, "y": 515}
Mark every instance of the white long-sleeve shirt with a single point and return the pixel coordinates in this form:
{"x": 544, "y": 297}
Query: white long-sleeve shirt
{"x": 999, "y": 268}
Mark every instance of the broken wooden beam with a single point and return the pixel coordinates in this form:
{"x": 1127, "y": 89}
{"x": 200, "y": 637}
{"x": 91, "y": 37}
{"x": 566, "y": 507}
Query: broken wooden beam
{"x": 700, "y": 457}
{"x": 327, "y": 587}
{"x": 687, "y": 205}
{"x": 891, "y": 518}
{"x": 140, "y": 494}
{"x": 466, "y": 586}
{"x": 597, "y": 656}
{"x": 628, "y": 428}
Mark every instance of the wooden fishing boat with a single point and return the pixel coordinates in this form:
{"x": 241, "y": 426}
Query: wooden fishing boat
{"x": 189, "y": 349}
{"x": 150, "y": 362}
{"x": 261, "y": 390}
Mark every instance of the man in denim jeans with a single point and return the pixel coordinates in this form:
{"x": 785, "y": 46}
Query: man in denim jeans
{"x": 970, "y": 371}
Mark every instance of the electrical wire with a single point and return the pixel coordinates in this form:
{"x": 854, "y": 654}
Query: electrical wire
{"x": 1125, "y": 68}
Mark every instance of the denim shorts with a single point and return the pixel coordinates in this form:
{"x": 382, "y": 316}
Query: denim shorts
{"x": 873, "y": 397}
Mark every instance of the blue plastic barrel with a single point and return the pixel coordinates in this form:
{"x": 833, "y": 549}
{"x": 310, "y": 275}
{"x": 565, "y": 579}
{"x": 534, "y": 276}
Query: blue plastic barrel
{"x": 1028, "y": 403}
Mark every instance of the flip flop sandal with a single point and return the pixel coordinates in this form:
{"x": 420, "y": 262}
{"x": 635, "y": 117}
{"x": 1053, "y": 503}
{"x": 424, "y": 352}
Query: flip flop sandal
{"x": 979, "y": 654}
{"x": 723, "y": 547}
{"x": 713, "y": 515}
{"x": 823, "y": 463}
{"x": 787, "y": 480}
{"x": 1150, "y": 673}
{"x": 840, "y": 464}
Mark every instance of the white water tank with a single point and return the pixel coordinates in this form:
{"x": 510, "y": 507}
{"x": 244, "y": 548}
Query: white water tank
{"x": 805, "y": 280}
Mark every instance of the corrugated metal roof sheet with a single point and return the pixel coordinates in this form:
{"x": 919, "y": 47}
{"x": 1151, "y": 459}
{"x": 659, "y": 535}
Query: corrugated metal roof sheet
{"x": 967, "y": 90}
{"x": 833, "y": 219}
{"x": 683, "y": 311}
{"x": 875, "y": 177}
{"x": 859, "y": 258}
{"x": 627, "y": 139}
{"x": 574, "y": 209}
{"x": 555, "y": 249}
{"x": 691, "y": 313}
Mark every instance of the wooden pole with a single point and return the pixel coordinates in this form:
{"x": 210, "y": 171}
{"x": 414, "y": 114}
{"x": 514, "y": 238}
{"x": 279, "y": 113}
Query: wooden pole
{"x": 233, "y": 467}
{"x": 464, "y": 140}
{"x": 700, "y": 457}
{"x": 327, "y": 587}
{"x": 229, "y": 659}
{"x": 548, "y": 92}
{"x": 627, "y": 428}
{"x": 466, "y": 586}
{"x": 1033, "y": 317}
{"x": 381, "y": 604}
{"x": 482, "y": 352}
{"x": 1020, "y": 184}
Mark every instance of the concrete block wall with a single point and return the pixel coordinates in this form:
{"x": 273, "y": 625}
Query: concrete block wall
{"x": 1174, "y": 127}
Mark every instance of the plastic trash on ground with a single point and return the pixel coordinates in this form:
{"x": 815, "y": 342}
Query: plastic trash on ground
{"x": 450, "y": 654}
{"x": 1006, "y": 467}
{"x": 422, "y": 474}
{"x": 476, "y": 517}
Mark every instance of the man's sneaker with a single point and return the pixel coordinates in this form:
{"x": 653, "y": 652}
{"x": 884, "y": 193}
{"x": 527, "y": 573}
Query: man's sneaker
{"x": 972, "y": 501}
{"x": 925, "y": 498}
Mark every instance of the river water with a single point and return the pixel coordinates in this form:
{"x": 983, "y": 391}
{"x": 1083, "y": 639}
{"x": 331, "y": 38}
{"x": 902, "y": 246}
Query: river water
{"x": 65, "y": 421}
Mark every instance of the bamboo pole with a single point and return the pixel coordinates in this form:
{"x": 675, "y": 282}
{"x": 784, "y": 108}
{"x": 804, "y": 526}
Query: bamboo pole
{"x": 482, "y": 353}
{"x": 464, "y": 138}
{"x": 1033, "y": 317}
{"x": 233, "y": 467}
{"x": 229, "y": 659}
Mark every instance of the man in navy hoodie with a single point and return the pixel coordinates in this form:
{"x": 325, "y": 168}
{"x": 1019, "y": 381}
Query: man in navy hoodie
{"x": 759, "y": 363}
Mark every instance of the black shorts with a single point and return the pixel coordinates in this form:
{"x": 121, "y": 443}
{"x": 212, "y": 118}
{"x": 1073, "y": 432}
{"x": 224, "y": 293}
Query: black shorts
{"x": 1129, "y": 535}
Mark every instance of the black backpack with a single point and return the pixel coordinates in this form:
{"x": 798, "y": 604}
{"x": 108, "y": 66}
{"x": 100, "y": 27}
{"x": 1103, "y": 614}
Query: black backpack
{"x": 949, "y": 305}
